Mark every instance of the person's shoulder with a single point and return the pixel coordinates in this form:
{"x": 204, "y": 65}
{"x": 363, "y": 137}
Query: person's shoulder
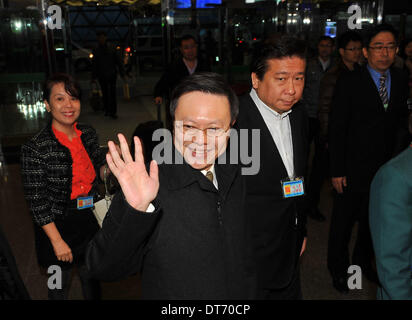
{"x": 299, "y": 109}
{"x": 402, "y": 162}
{"x": 351, "y": 78}
{"x": 38, "y": 141}
{"x": 397, "y": 72}
{"x": 398, "y": 166}
{"x": 245, "y": 102}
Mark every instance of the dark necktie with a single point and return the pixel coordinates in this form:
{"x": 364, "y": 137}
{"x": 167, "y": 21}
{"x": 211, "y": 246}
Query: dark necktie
{"x": 209, "y": 175}
{"x": 383, "y": 92}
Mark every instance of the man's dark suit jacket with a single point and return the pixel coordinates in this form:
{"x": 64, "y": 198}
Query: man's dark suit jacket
{"x": 278, "y": 224}
{"x": 173, "y": 74}
{"x": 362, "y": 135}
{"x": 193, "y": 246}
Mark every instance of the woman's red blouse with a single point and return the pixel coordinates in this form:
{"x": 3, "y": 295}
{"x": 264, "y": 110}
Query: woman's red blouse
{"x": 83, "y": 170}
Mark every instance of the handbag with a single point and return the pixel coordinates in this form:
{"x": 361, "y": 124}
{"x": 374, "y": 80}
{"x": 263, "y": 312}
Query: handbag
{"x": 102, "y": 206}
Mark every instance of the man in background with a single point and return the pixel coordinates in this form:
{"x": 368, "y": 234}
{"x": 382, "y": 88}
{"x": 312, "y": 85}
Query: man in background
{"x": 367, "y": 127}
{"x": 106, "y": 64}
{"x": 187, "y": 64}
{"x": 316, "y": 68}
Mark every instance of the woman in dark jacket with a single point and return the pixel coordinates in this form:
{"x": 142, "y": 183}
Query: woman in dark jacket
{"x": 60, "y": 167}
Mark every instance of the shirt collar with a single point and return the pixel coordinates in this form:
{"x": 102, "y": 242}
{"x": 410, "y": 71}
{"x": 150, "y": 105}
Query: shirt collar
{"x": 62, "y": 137}
{"x": 212, "y": 169}
{"x": 261, "y": 105}
{"x": 325, "y": 64}
{"x": 376, "y": 74}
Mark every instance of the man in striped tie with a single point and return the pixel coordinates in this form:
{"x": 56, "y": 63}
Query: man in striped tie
{"x": 368, "y": 126}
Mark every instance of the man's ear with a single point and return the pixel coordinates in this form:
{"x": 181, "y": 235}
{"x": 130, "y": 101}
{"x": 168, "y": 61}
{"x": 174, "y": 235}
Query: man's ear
{"x": 365, "y": 52}
{"x": 255, "y": 80}
{"x": 341, "y": 51}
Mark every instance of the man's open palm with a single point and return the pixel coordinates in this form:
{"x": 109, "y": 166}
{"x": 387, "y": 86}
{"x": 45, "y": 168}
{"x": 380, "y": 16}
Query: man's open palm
{"x": 139, "y": 187}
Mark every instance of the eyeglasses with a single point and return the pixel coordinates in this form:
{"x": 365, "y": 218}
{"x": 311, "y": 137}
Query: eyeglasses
{"x": 353, "y": 49}
{"x": 190, "y": 131}
{"x": 379, "y": 49}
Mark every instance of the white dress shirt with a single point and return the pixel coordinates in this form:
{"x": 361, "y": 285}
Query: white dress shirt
{"x": 325, "y": 64}
{"x": 190, "y": 70}
{"x": 279, "y": 128}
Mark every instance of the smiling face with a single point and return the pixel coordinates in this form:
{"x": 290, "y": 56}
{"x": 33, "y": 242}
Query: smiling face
{"x": 64, "y": 108}
{"x": 197, "y": 111}
{"x": 381, "y": 60}
{"x": 282, "y": 85}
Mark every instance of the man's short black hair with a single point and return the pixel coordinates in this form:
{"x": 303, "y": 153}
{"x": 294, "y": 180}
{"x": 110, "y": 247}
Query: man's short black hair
{"x": 186, "y": 37}
{"x": 347, "y": 37}
{"x": 71, "y": 86}
{"x": 206, "y": 82}
{"x": 378, "y": 29}
{"x": 285, "y": 47}
{"x": 330, "y": 39}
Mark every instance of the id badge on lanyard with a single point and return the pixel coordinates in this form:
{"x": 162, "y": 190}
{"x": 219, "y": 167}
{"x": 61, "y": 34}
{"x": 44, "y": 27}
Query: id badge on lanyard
{"x": 84, "y": 202}
{"x": 292, "y": 187}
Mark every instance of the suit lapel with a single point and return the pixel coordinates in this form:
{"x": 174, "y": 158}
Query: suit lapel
{"x": 395, "y": 85}
{"x": 296, "y": 141}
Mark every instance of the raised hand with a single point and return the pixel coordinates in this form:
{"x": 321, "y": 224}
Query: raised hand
{"x": 139, "y": 187}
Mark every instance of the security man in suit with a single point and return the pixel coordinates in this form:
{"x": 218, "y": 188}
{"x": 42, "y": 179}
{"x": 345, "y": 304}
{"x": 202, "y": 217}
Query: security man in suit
{"x": 275, "y": 195}
{"x": 368, "y": 126}
{"x": 188, "y": 63}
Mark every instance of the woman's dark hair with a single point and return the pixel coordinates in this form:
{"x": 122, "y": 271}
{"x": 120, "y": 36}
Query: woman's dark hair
{"x": 206, "y": 82}
{"x": 70, "y": 85}
{"x": 285, "y": 47}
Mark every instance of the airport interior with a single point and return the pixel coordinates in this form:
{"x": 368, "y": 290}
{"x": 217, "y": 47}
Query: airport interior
{"x": 36, "y": 42}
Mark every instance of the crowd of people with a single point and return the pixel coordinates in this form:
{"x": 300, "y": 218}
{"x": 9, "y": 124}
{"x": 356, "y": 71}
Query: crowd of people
{"x": 197, "y": 226}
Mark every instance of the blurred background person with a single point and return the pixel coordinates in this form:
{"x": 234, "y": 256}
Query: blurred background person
{"x": 350, "y": 51}
{"x": 188, "y": 63}
{"x": 315, "y": 69}
{"x": 106, "y": 64}
{"x": 407, "y": 55}
{"x": 367, "y": 127}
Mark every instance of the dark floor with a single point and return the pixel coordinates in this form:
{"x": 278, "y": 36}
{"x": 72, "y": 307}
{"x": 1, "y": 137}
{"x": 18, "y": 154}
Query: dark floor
{"x": 16, "y": 221}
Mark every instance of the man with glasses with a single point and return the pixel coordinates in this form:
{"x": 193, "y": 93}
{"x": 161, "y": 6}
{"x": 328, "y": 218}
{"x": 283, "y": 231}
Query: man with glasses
{"x": 315, "y": 69}
{"x": 183, "y": 224}
{"x": 188, "y": 63}
{"x": 367, "y": 127}
{"x": 350, "y": 51}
